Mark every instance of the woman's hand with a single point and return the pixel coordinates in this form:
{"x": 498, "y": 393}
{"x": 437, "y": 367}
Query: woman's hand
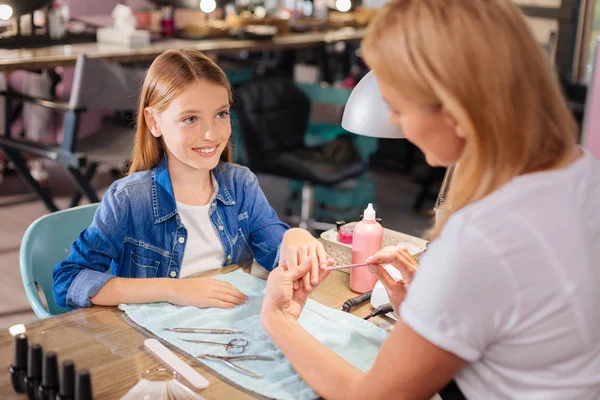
{"x": 205, "y": 292}
{"x": 281, "y": 297}
{"x": 297, "y": 246}
{"x": 403, "y": 261}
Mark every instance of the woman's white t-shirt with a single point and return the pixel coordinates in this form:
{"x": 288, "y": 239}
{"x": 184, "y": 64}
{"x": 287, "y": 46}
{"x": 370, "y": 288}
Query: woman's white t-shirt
{"x": 512, "y": 286}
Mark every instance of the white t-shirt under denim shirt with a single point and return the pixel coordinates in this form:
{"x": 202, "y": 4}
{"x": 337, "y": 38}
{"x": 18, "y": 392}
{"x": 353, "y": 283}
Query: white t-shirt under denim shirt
{"x": 203, "y": 249}
{"x": 512, "y": 286}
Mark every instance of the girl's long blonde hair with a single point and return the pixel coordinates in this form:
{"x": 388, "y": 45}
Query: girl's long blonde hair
{"x": 479, "y": 61}
{"x": 170, "y": 74}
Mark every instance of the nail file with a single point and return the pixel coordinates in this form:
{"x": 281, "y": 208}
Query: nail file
{"x": 180, "y": 366}
{"x": 348, "y": 266}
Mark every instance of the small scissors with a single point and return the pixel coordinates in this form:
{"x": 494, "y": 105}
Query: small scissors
{"x": 236, "y": 346}
{"x": 230, "y": 360}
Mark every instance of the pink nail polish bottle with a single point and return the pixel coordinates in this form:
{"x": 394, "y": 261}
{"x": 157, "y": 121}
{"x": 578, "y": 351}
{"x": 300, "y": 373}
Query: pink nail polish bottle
{"x": 367, "y": 239}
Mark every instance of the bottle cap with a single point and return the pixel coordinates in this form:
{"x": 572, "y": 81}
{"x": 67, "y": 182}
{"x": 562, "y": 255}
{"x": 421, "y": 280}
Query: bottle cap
{"x": 369, "y": 214}
{"x": 21, "y": 345}
{"x": 50, "y": 370}
{"x": 83, "y": 386}
{"x": 67, "y": 379}
{"x": 34, "y": 362}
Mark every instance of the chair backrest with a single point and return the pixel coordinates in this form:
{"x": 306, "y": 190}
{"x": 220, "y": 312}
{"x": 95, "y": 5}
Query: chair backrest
{"x": 46, "y": 242}
{"x": 100, "y": 84}
{"x": 273, "y": 116}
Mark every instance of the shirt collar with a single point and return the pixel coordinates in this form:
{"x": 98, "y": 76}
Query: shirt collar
{"x": 163, "y": 198}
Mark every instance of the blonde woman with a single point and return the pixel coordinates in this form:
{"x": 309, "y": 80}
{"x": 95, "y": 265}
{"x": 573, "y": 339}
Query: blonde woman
{"x": 506, "y": 301}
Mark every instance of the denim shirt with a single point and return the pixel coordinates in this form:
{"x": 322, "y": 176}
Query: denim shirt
{"x": 137, "y": 232}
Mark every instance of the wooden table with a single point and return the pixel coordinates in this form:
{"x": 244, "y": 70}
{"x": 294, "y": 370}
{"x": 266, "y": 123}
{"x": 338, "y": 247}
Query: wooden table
{"x": 53, "y": 56}
{"x": 105, "y": 341}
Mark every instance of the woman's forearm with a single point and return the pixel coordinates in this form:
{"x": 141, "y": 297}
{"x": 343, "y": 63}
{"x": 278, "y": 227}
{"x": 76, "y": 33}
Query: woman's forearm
{"x": 133, "y": 291}
{"x": 328, "y": 374}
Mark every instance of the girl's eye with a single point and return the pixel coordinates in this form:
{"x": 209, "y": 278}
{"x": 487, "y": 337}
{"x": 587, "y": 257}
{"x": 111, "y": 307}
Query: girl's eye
{"x": 222, "y": 114}
{"x": 189, "y": 120}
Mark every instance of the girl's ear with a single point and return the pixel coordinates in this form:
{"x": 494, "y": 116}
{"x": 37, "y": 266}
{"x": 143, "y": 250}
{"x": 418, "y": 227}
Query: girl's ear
{"x": 151, "y": 122}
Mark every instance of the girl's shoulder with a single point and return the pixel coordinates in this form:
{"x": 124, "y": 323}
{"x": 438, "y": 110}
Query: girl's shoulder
{"x": 231, "y": 170}
{"x": 136, "y": 186}
{"x": 235, "y": 181}
{"x": 233, "y": 176}
{"x": 135, "y": 181}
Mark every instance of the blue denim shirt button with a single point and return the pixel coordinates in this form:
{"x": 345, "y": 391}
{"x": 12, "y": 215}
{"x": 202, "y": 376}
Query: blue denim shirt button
{"x": 173, "y": 274}
{"x": 181, "y": 240}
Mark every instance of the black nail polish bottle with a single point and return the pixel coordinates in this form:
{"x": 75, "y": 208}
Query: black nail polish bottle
{"x": 67, "y": 381}
{"x": 18, "y": 370}
{"x": 83, "y": 386}
{"x": 34, "y": 371}
{"x": 49, "y": 387}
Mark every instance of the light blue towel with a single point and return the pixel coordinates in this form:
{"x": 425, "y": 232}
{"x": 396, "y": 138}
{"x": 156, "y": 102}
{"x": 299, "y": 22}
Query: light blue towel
{"x": 354, "y": 339}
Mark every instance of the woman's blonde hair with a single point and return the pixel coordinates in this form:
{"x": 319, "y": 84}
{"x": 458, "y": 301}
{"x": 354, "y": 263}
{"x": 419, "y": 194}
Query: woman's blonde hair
{"x": 478, "y": 60}
{"x": 170, "y": 74}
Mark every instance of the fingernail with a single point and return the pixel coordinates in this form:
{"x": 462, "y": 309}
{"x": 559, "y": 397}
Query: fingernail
{"x": 372, "y": 268}
{"x": 369, "y": 259}
{"x": 314, "y": 281}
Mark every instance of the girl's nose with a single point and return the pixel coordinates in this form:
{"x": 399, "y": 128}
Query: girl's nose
{"x": 211, "y": 133}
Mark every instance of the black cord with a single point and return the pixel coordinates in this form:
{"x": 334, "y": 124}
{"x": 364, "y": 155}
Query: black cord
{"x": 348, "y": 304}
{"x": 384, "y": 309}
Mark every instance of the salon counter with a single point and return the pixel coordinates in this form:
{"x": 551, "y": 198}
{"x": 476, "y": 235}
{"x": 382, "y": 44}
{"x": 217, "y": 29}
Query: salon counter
{"x": 105, "y": 341}
{"x": 53, "y": 56}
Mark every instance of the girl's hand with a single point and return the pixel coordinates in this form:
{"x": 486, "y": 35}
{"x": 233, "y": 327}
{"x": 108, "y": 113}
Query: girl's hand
{"x": 299, "y": 245}
{"x": 205, "y": 292}
{"x": 403, "y": 261}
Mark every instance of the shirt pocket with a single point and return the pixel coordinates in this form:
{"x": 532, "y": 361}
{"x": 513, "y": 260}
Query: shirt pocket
{"x": 241, "y": 248}
{"x": 241, "y": 243}
{"x": 143, "y": 267}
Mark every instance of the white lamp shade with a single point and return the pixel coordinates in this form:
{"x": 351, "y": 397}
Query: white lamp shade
{"x": 367, "y": 114}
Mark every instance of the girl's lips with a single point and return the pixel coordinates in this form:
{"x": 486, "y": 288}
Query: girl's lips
{"x": 206, "y": 151}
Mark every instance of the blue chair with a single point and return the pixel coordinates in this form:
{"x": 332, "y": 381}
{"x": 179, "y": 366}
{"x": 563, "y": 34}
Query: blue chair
{"x": 46, "y": 242}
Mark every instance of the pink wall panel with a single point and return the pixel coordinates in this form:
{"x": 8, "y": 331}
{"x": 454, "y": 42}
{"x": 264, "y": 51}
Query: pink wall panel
{"x": 100, "y": 7}
{"x": 591, "y": 134}
{"x": 91, "y": 7}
